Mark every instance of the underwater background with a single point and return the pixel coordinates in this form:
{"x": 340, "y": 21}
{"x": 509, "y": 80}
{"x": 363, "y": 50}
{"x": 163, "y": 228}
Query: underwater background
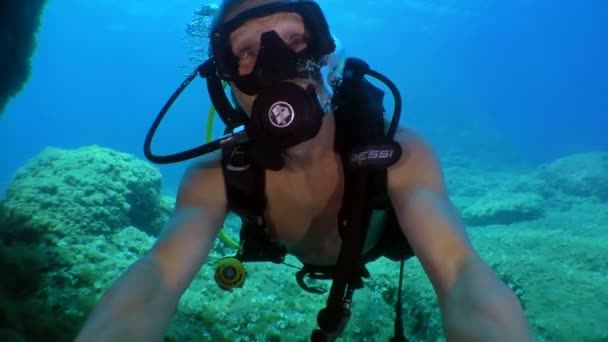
{"x": 512, "y": 94}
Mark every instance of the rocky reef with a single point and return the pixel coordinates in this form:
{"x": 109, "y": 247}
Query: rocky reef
{"x": 70, "y": 221}
{"x": 19, "y": 22}
{"x": 73, "y": 220}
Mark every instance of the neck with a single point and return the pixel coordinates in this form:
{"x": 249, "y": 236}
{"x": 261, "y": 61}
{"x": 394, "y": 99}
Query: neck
{"x": 314, "y": 151}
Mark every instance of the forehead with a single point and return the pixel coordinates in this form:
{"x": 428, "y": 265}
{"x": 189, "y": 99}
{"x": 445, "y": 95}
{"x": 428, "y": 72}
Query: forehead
{"x": 246, "y": 5}
{"x": 278, "y": 21}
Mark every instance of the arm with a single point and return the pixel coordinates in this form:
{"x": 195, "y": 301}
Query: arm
{"x": 479, "y": 307}
{"x": 140, "y": 304}
{"x": 475, "y": 304}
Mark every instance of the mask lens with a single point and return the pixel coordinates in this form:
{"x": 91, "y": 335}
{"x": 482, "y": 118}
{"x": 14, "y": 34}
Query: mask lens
{"x": 238, "y": 45}
{"x": 245, "y": 41}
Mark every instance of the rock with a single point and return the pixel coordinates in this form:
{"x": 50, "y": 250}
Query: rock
{"x": 504, "y": 208}
{"x": 583, "y": 175}
{"x": 91, "y": 190}
{"x": 19, "y": 21}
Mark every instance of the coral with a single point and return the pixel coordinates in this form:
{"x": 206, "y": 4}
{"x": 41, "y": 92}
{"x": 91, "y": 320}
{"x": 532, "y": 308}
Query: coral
{"x": 19, "y": 21}
{"x": 501, "y": 207}
{"x": 91, "y": 190}
{"x": 161, "y": 212}
{"x": 557, "y": 268}
{"x": 557, "y": 261}
{"x": 582, "y": 175}
{"x": 23, "y": 258}
{"x": 25, "y": 263}
{"x": 66, "y": 235}
{"x": 562, "y": 184}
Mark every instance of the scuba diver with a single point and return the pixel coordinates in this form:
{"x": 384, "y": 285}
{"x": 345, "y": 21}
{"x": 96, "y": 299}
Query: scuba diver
{"x": 313, "y": 169}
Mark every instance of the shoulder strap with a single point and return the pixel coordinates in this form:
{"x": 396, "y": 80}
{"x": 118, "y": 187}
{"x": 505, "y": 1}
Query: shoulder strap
{"x": 246, "y": 197}
{"x": 359, "y": 113}
{"x": 244, "y": 184}
{"x": 360, "y": 121}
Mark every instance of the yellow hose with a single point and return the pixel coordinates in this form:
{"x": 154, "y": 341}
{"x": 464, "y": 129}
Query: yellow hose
{"x": 227, "y": 240}
{"x": 209, "y": 131}
{"x": 223, "y": 236}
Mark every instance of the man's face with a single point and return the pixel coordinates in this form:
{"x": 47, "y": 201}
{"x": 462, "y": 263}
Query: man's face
{"x": 245, "y": 42}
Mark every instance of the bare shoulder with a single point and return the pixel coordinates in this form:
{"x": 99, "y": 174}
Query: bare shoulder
{"x": 418, "y": 167}
{"x": 203, "y": 183}
{"x": 426, "y": 215}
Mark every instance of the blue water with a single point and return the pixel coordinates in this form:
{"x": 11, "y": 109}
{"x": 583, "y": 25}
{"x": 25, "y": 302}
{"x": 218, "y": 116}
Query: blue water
{"x": 531, "y": 74}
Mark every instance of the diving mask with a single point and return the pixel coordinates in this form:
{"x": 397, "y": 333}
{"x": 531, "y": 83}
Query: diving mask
{"x": 291, "y": 40}
{"x": 252, "y": 58}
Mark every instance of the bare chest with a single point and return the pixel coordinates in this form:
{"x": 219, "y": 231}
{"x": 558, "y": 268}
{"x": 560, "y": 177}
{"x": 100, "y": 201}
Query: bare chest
{"x": 302, "y": 213}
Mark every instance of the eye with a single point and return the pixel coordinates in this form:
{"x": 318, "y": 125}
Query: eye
{"x": 298, "y": 42}
{"x": 245, "y": 47}
{"x": 247, "y": 59}
{"x": 247, "y": 54}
